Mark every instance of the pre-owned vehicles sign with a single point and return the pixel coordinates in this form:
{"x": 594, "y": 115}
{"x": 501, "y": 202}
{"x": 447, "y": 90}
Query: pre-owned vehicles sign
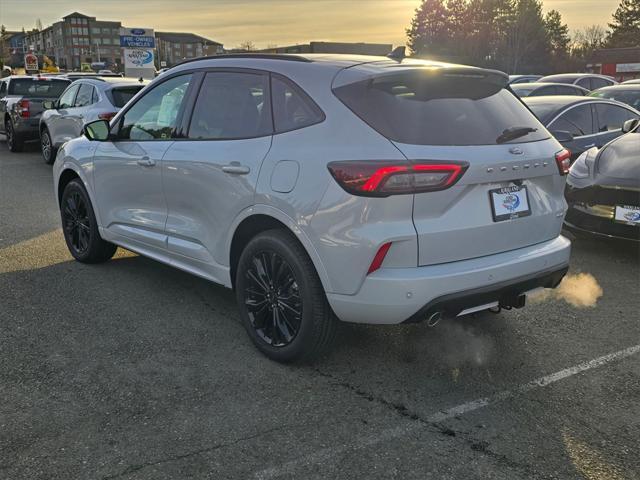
{"x": 137, "y": 38}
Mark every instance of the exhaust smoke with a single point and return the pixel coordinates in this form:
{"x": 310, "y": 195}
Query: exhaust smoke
{"x": 580, "y": 290}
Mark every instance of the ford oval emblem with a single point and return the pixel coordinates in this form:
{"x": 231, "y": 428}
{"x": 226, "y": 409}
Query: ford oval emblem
{"x": 515, "y": 150}
{"x": 137, "y": 31}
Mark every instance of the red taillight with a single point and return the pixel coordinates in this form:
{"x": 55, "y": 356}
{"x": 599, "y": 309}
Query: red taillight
{"x": 563, "y": 159}
{"x": 107, "y": 116}
{"x": 379, "y": 258}
{"x": 22, "y": 108}
{"x": 380, "y": 179}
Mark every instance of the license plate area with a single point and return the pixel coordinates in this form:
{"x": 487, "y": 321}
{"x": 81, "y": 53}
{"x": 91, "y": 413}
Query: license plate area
{"x": 627, "y": 214}
{"x": 508, "y": 203}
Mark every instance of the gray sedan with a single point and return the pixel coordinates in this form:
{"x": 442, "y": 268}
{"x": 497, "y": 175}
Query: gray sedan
{"x": 82, "y": 102}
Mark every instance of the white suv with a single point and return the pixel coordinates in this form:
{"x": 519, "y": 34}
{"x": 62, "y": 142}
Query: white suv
{"x": 366, "y": 189}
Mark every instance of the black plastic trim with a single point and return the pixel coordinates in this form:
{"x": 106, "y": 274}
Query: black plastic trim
{"x": 507, "y": 293}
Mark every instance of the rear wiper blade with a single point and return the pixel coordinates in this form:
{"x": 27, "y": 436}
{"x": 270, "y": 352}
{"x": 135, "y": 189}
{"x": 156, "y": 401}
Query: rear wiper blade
{"x": 514, "y": 132}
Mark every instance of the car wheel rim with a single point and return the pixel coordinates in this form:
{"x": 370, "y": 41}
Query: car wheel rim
{"x": 272, "y": 298}
{"x": 9, "y": 131}
{"x": 76, "y": 222}
{"x": 46, "y": 146}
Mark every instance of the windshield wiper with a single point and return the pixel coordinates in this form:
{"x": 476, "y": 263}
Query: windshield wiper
{"x": 514, "y": 132}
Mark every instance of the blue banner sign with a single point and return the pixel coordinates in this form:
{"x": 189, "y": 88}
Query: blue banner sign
{"x": 137, "y": 38}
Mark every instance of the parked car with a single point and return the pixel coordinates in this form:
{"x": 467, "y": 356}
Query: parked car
{"x": 21, "y": 98}
{"x": 590, "y": 81}
{"x": 83, "y": 101}
{"x": 516, "y": 79}
{"x": 325, "y": 184}
{"x": 580, "y": 123}
{"x": 536, "y": 89}
{"x": 634, "y": 81}
{"x": 602, "y": 188}
{"x": 84, "y": 75}
{"x": 629, "y": 94}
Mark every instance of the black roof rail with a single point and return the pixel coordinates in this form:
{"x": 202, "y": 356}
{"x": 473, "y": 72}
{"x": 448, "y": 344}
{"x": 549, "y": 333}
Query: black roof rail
{"x": 261, "y": 56}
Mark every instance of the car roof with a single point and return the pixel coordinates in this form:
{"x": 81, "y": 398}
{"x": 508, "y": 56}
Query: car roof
{"x": 576, "y": 75}
{"x": 112, "y": 81}
{"x": 547, "y": 84}
{"x": 620, "y": 86}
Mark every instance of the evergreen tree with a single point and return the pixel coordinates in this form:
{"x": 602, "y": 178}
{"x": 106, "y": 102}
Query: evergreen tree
{"x": 559, "y": 41}
{"x": 429, "y": 31}
{"x": 625, "y": 29}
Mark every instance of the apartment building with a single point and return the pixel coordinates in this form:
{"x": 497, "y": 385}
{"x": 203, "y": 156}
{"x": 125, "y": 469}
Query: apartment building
{"x": 174, "y": 47}
{"x": 78, "y": 39}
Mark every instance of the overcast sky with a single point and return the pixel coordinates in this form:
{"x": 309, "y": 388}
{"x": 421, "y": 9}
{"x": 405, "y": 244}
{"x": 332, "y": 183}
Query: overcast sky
{"x": 269, "y": 22}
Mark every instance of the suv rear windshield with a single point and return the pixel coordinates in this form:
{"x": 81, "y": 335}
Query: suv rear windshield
{"x": 120, "y": 96}
{"x": 419, "y": 108}
{"x": 37, "y": 87}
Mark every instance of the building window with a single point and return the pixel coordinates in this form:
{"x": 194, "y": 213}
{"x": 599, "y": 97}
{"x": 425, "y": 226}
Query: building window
{"x": 85, "y": 31}
{"x": 75, "y": 41}
{"x": 95, "y": 30}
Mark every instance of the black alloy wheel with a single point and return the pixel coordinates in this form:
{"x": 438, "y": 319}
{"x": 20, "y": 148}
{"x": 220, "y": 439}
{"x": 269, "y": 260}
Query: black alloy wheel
{"x": 272, "y": 299}
{"x": 76, "y": 225}
{"x": 282, "y": 303}
{"x": 80, "y": 227}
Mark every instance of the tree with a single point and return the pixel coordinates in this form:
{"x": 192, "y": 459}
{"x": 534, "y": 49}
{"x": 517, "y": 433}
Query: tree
{"x": 527, "y": 47}
{"x": 247, "y": 46}
{"x": 625, "y": 29}
{"x": 429, "y": 30}
{"x": 39, "y": 25}
{"x": 559, "y": 40}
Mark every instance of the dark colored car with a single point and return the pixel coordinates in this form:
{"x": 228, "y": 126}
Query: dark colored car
{"x": 581, "y": 123}
{"x": 629, "y": 94}
{"x": 603, "y": 188}
{"x": 537, "y": 89}
{"x": 516, "y": 79}
{"x": 21, "y": 99}
{"x": 590, "y": 81}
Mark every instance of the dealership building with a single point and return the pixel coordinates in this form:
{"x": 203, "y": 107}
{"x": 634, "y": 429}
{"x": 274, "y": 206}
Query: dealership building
{"x": 621, "y": 63}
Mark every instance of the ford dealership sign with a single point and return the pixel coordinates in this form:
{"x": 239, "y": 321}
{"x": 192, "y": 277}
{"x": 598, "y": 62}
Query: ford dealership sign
{"x": 137, "y": 38}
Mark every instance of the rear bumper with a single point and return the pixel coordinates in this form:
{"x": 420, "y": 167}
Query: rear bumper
{"x": 396, "y": 295}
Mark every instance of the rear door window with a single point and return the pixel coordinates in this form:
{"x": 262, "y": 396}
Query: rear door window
{"x": 585, "y": 83}
{"x": 85, "y": 94}
{"x": 292, "y": 108}
{"x": 599, "y": 83}
{"x": 67, "y": 98}
{"x": 577, "y": 120}
{"x": 415, "y": 107}
{"x": 611, "y": 117}
{"x": 232, "y": 105}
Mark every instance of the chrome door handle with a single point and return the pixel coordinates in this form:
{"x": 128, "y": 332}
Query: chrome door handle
{"x": 236, "y": 169}
{"x": 146, "y": 162}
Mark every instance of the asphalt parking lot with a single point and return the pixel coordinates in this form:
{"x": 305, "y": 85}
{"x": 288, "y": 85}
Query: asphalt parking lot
{"x": 134, "y": 370}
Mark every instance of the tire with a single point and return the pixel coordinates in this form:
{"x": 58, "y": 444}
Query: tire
{"x": 46, "y": 147}
{"x": 275, "y": 278}
{"x": 80, "y": 227}
{"x": 14, "y": 142}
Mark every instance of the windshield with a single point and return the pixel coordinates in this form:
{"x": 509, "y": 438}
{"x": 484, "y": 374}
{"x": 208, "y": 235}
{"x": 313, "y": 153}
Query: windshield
{"x": 424, "y": 109}
{"x": 37, "y": 87}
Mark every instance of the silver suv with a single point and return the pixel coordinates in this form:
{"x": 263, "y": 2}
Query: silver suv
{"x": 318, "y": 187}
{"x": 82, "y": 102}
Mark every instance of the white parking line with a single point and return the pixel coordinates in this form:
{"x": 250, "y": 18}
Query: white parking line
{"x": 326, "y": 454}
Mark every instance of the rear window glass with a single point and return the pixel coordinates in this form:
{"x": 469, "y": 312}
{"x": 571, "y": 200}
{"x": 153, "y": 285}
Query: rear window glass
{"x": 120, "y": 96}
{"x": 421, "y": 109}
{"x": 630, "y": 97}
{"x": 31, "y": 87}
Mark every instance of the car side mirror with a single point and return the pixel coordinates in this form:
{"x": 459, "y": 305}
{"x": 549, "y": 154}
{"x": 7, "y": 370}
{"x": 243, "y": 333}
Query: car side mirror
{"x": 630, "y": 125}
{"x": 562, "y": 136}
{"x": 97, "y": 131}
{"x": 48, "y": 104}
